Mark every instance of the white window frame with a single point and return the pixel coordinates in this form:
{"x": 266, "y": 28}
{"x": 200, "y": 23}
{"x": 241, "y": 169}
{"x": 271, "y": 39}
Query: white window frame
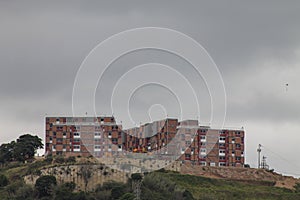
{"x": 222, "y": 152}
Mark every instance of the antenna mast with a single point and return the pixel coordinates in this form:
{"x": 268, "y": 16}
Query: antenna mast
{"x": 259, "y": 151}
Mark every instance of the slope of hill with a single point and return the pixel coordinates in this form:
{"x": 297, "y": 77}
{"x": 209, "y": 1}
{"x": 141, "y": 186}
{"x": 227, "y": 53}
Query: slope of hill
{"x": 189, "y": 183}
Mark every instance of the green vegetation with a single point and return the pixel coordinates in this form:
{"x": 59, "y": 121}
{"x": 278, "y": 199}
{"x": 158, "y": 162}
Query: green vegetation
{"x": 206, "y": 188}
{"x": 156, "y": 185}
{"x": 44, "y": 185}
{"x": 3, "y": 180}
{"x": 21, "y": 150}
{"x": 159, "y": 185}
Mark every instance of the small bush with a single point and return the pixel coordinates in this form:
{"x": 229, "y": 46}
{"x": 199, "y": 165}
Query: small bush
{"x": 71, "y": 159}
{"x": 3, "y": 180}
{"x": 59, "y": 160}
{"x": 49, "y": 159}
{"x": 44, "y": 185}
{"x": 136, "y": 177}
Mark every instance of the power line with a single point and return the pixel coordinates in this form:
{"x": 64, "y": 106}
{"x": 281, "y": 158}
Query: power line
{"x": 281, "y": 157}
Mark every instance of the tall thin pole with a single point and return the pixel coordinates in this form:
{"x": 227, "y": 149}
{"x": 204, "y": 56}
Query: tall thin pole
{"x": 259, "y": 151}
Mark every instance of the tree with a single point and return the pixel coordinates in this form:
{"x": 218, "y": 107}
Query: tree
{"x": 6, "y": 152}
{"x": 136, "y": 177}
{"x": 25, "y": 192}
{"x": 44, "y": 185}
{"x": 3, "y": 180}
{"x": 26, "y": 147}
{"x": 65, "y": 191}
{"x": 23, "y": 149}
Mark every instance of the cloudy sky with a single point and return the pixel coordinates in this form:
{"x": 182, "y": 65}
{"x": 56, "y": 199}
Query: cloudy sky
{"x": 255, "y": 45}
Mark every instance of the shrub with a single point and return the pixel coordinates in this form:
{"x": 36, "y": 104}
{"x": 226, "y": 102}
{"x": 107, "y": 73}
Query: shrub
{"x": 59, "y": 160}
{"x": 44, "y": 185}
{"x": 127, "y": 196}
{"x": 49, "y": 159}
{"x": 71, "y": 159}
{"x": 3, "y": 180}
{"x": 136, "y": 177}
{"x": 25, "y": 192}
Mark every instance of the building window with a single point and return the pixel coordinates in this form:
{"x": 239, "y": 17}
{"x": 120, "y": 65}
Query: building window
{"x": 222, "y": 138}
{"x": 203, "y": 137}
{"x": 222, "y": 164}
{"x": 212, "y": 164}
{"x": 76, "y": 140}
{"x": 119, "y": 147}
{"x": 238, "y": 158}
{"x": 59, "y": 140}
{"x": 221, "y": 152}
{"x": 203, "y": 151}
{"x": 97, "y": 134}
{"x": 222, "y": 157}
{"x": 76, "y": 147}
{"x": 187, "y": 156}
{"x": 97, "y": 147}
{"x": 238, "y": 146}
{"x": 203, "y": 163}
{"x": 182, "y": 150}
{"x": 192, "y": 151}
{"x": 114, "y": 140}
{"x": 76, "y": 134}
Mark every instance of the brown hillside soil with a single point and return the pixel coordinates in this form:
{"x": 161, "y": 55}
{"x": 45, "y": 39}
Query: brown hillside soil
{"x": 249, "y": 175}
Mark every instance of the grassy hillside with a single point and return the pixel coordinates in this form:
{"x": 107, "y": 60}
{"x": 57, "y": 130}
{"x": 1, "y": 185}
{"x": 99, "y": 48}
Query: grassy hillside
{"x": 156, "y": 185}
{"x": 206, "y": 188}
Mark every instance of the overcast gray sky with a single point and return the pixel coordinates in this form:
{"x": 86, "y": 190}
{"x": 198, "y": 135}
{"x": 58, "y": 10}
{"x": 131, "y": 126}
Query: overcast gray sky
{"x": 255, "y": 44}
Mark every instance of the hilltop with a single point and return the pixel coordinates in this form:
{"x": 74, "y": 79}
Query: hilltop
{"x": 174, "y": 182}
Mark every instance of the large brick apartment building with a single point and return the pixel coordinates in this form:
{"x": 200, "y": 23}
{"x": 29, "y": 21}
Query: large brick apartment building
{"x": 102, "y": 137}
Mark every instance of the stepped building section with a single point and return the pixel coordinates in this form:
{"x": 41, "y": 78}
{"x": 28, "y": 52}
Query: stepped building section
{"x": 169, "y": 139}
{"x": 83, "y": 136}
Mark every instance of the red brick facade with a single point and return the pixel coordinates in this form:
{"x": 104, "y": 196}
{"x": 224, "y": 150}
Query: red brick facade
{"x": 102, "y": 137}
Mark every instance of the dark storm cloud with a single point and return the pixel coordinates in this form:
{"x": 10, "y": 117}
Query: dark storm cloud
{"x": 255, "y": 44}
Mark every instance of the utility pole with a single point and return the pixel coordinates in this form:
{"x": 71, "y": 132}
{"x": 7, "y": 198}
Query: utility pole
{"x": 264, "y": 163}
{"x": 259, "y": 151}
